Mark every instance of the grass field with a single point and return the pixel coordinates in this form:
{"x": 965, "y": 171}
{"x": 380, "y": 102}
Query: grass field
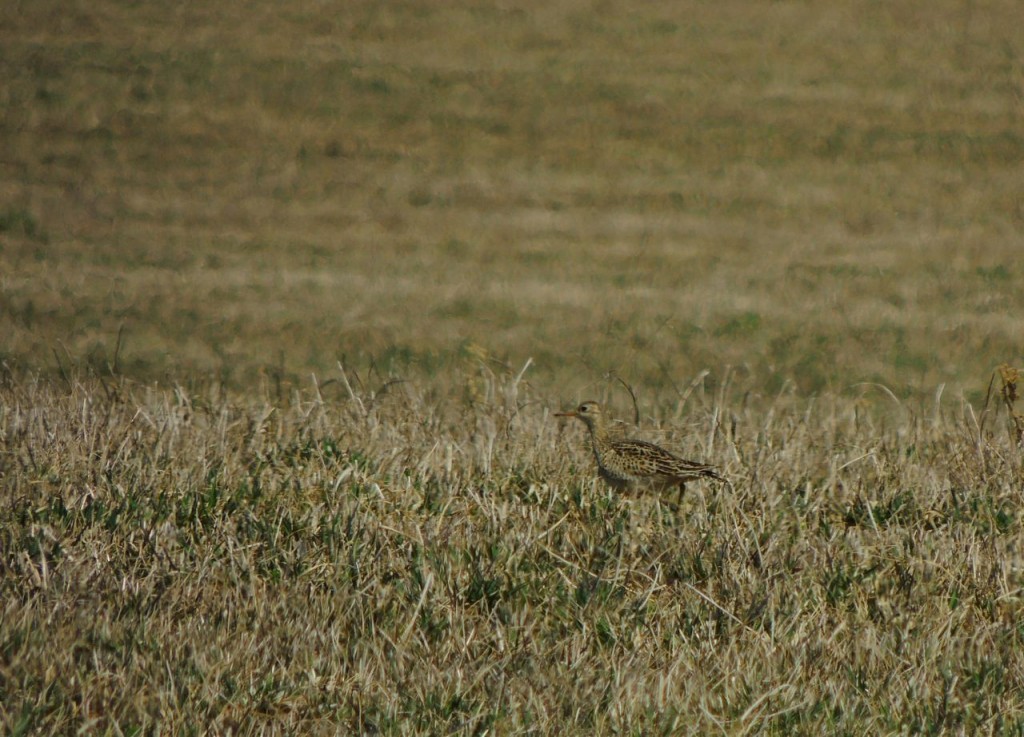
{"x": 288, "y": 295}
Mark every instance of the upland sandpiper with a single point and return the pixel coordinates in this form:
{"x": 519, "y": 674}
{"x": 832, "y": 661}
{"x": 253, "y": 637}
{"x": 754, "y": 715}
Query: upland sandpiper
{"x": 625, "y": 463}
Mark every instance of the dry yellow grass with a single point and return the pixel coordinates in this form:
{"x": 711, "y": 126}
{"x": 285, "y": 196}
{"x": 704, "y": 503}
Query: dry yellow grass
{"x": 793, "y": 229}
{"x": 410, "y": 563}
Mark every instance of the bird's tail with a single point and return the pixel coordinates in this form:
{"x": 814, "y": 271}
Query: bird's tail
{"x": 711, "y": 473}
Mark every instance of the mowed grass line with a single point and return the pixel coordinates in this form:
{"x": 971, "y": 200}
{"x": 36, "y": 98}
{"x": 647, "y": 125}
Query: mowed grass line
{"x": 825, "y": 195}
{"x": 423, "y": 561}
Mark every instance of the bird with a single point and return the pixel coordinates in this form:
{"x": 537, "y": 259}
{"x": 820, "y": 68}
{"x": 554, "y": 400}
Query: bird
{"x": 631, "y": 463}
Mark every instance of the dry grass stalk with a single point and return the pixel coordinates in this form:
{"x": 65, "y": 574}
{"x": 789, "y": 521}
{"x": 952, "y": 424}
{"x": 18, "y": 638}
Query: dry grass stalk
{"x": 1009, "y": 377}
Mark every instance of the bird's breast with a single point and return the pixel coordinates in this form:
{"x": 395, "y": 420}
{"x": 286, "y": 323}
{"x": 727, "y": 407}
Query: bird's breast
{"x": 616, "y": 480}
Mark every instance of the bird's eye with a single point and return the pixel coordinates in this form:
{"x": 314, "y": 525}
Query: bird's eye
{"x": 584, "y": 408}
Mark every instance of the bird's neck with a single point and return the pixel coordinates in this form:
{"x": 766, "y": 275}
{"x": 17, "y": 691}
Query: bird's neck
{"x": 598, "y": 434}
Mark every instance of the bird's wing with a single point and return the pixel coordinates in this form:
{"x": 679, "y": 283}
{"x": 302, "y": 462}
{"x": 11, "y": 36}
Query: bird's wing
{"x": 652, "y": 460}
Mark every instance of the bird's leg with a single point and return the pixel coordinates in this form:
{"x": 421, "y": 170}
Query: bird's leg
{"x": 682, "y": 491}
{"x": 674, "y": 506}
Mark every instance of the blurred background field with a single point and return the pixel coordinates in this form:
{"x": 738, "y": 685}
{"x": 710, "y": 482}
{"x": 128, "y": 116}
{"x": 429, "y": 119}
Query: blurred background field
{"x": 825, "y": 194}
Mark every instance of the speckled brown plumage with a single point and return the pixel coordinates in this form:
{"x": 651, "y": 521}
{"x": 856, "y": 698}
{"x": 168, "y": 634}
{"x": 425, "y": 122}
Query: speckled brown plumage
{"x": 624, "y": 463}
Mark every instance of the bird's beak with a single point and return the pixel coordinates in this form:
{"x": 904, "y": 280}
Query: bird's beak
{"x": 567, "y": 414}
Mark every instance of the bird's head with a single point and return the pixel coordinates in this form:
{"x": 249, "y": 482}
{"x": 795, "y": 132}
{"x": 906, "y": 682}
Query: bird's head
{"x": 589, "y": 412}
